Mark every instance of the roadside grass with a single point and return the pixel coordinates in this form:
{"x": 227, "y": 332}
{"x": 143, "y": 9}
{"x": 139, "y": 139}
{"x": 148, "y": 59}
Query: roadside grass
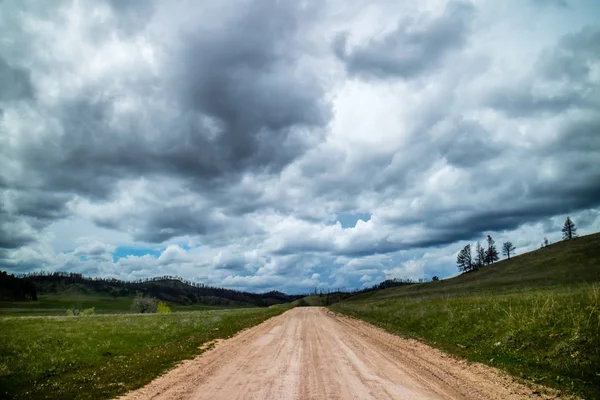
{"x": 549, "y": 336}
{"x": 103, "y": 356}
{"x": 57, "y": 304}
{"x": 206, "y": 307}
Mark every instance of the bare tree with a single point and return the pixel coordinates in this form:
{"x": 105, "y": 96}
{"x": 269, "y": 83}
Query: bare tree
{"x": 508, "y": 249}
{"x": 569, "y": 230}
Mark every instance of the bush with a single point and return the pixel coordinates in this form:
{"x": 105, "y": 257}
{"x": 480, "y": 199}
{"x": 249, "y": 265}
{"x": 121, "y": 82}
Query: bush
{"x": 302, "y": 303}
{"x": 162, "y": 307}
{"x": 144, "y": 305}
{"x": 75, "y": 312}
{"x": 88, "y": 311}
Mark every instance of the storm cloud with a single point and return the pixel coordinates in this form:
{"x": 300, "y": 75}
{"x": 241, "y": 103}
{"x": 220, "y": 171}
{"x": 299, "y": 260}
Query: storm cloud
{"x": 416, "y": 46}
{"x": 286, "y": 145}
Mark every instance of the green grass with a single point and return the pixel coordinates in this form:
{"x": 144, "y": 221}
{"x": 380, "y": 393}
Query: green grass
{"x": 315, "y": 300}
{"x": 57, "y": 304}
{"x": 536, "y": 316}
{"x": 103, "y": 356}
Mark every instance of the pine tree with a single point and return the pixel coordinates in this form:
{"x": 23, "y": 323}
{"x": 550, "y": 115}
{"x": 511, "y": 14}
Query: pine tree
{"x": 491, "y": 254}
{"x": 569, "y": 230}
{"x": 479, "y": 256}
{"x": 464, "y": 261}
{"x": 508, "y": 249}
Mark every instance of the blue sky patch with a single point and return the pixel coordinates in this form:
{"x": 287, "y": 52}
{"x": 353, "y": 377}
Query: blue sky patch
{"x": 349, "y": 220}
{"x": 122, "y": 252}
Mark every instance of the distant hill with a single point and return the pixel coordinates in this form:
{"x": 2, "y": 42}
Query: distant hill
{"x": 168, "y": 288}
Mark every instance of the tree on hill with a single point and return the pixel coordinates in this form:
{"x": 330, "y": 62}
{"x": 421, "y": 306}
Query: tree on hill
{"x": 569, "y": 230}
{"x": 508, "y": 249}
{"x": 491, "y": 254}
{"x": 545, "y": 243}
{"x": 464, "y": 261}
{"x": 479, "y": 256}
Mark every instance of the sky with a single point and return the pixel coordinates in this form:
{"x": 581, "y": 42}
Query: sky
{"x": 292, "y": 145}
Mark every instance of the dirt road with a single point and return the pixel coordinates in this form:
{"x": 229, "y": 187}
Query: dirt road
{"x": 311, "y": 353}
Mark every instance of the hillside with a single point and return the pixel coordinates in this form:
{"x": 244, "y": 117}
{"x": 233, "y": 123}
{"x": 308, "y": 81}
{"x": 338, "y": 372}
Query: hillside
{"x": 58, "y": 291}
{"x": 563, "y": 263}
{"x": 536, "y": 316}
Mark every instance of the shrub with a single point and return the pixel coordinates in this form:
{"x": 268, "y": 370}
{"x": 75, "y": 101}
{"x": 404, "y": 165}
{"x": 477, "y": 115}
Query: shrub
{"x": 302, "y": 303}
{"x": 88, "y": 311}
{"x": 75, "y": 312}
{"x": 144, "y": 305}
{"x": 162, "y": 307}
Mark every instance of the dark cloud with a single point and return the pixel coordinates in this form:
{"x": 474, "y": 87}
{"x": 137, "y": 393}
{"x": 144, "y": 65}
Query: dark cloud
{"x": 415, "y": 47}
{"x": 573, "y": 56}
{"x": 560, "y": 80}
{"x": 40, "y": 205}
{"x": 11, "y": 236}
{"x": 244, "y": 79}
{"x": 17, "y": 231}
{"x": 467, "y": 143}
{"x": 521, "y": 102}
{"x": 132, "y": 15}
{"x": 15, "y": 83}
{"x": 237, "y": 103}
{"x": 245, "y": 108}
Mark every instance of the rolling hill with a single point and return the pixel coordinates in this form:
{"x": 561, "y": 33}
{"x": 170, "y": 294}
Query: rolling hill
{"x": 58, "y": 291}
{"x": 564, "y": 263}
{"x": 536, "y": 316}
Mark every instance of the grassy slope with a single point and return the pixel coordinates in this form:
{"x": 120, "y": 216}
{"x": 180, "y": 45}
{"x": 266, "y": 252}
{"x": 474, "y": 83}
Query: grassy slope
{"x": 563, "y": 263}
{"x": 536, "y": 316}
{"x": 103, "y": 356}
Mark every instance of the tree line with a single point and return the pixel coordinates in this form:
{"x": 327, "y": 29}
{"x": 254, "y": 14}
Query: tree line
{"x": 168, "y": 288}
{"x": 14, "y": 288}
{"x": 466, "y": 262}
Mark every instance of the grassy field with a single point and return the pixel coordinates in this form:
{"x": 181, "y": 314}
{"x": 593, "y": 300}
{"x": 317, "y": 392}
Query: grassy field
{"x": 536, "y": 316}
{"x": 102, "y": 356}
{"x": 57, "y": 304}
